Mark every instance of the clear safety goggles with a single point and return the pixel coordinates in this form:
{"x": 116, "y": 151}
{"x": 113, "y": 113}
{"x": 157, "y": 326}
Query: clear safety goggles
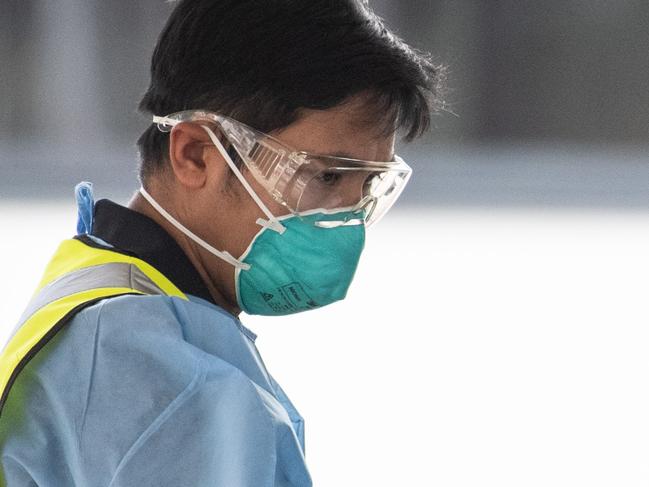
{"x": 303, "y": 182}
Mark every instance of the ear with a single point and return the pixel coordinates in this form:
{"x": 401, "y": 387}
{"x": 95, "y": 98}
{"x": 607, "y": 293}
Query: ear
{"x": 190, "y": 157}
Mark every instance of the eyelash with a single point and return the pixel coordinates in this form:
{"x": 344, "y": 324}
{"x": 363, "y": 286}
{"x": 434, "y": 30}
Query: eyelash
{"x": 322, "y": 177}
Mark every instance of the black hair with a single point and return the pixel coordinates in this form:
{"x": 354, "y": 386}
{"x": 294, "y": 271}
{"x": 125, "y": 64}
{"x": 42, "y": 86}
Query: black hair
{"x": 262, "y": 61}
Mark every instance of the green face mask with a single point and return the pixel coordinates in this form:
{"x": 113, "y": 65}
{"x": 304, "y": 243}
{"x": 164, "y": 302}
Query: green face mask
{"x": 301, "y": 265}
{"x": 305, "y": 267}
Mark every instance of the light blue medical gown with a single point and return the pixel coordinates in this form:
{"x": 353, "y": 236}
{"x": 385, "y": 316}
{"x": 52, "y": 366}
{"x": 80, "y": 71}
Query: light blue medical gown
{"x": 151, "y": 391}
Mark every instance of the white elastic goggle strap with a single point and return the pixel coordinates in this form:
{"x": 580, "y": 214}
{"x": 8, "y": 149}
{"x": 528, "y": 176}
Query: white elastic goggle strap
{"x": 272, "y": 222}
{"x": 226, "y": 256}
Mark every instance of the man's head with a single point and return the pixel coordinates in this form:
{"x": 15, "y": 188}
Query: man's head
{"x": 263, "y": 62}
{"x": 321, "y": 76}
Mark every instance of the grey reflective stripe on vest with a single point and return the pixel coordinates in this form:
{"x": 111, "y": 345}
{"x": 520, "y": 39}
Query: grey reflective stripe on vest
{"x": 114, "y": 274}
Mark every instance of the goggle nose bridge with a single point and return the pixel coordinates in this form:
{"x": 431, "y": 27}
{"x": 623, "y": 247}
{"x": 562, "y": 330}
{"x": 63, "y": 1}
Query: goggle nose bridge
{"x": 367, "y": 203}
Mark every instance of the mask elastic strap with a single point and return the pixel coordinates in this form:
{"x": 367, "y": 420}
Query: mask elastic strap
{"x": 272, "y": 222}
{"x": 226, "y": 256}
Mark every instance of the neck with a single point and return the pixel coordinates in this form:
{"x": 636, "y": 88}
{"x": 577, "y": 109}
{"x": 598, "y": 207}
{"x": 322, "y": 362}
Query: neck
{"x": 214, "y": 285}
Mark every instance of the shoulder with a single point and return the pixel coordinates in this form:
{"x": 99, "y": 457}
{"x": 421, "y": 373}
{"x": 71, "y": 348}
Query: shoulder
{"x": 170, "y": 349}
{"x": 113, "y": 375}
{"x": 147, "y": 382}
{"x": 132, "y": 379}
{"x": 141, "y": 357}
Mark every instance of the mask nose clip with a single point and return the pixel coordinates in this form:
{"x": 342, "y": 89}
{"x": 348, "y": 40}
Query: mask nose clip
{"x": 367, "y": 204}
{"x": 338, "y": 223}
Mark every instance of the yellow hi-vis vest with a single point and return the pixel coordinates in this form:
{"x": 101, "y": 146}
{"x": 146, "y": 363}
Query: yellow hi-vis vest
{"x": 78, "y": 275}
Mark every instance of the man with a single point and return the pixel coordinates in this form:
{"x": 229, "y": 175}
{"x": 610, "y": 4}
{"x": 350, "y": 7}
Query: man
{"x": 271, "y": 149}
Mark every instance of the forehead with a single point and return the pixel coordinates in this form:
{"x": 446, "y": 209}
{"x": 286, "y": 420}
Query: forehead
{"x": 345, "y": 129}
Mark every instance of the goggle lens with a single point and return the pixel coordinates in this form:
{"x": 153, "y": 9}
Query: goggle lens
{"x": 304, "y": 182}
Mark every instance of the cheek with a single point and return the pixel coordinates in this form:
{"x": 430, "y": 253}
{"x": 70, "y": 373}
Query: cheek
{"x": 242, "y": 233}
{"x": 239, "y": 223}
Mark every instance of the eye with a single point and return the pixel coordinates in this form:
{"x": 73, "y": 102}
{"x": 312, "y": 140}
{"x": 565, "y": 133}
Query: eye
{"x": 328, "y": 178}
